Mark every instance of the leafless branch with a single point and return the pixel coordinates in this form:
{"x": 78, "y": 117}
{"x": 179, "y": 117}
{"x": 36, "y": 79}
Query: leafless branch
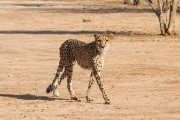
{"x": 156, "y": 11}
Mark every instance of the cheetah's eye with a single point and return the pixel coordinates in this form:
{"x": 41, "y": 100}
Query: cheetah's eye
{"x": 107, "y": 40}
{"x": 99, "y": 41}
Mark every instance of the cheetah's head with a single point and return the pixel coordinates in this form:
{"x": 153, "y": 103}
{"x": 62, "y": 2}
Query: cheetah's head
{"x": 102, "y": 42}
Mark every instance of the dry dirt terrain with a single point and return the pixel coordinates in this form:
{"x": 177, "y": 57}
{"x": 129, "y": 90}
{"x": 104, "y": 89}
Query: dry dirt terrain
{"x": 141, "y": 73}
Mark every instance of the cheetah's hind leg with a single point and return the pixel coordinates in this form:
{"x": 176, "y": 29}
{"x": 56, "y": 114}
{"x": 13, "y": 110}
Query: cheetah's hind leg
{"x": 49, "y": 88}
{"x": 55, "y": 91}
{"x": 53, "y": 86}
{"x": 69, "y": 84}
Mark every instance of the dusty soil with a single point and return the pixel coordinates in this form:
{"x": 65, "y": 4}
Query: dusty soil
{"x": 141, "y": 74}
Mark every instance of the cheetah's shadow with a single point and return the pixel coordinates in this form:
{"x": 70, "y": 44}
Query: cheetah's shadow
{"x": 32, "y": 97}
{"x": 43, "y": 98}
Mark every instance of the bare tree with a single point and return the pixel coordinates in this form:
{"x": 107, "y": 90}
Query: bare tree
{"x": 166, "y": 12}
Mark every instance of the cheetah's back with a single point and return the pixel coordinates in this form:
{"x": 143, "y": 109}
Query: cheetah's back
{"x": 74, "y": 50}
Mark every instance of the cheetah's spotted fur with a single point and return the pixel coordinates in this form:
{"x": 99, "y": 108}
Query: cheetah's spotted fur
{"x": 88, "y": 56}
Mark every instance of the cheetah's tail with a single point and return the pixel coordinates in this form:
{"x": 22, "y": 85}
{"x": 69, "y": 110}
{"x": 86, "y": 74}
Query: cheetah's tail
{"x": 49, "y": 88}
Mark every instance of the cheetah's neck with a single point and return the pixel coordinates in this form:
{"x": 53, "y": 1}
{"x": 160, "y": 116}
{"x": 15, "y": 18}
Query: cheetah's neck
{"x": 104, "y": 51}
{"x": 93, "y": 49}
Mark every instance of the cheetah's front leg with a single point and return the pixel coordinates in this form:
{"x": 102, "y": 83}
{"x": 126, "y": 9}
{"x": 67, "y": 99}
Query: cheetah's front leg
{"x": 101, "y": 87}
{"x": 91, "y": 81}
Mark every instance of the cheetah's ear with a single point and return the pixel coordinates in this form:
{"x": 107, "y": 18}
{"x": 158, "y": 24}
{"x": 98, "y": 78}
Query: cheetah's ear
{"x": 110, "y": 35}
{"x": 96, "y": 36}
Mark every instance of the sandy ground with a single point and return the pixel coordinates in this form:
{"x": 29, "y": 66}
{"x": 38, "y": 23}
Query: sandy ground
{"x": 141, "y": 74}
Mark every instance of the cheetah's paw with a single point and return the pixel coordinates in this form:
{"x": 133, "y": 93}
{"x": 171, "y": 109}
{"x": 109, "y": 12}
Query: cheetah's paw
{"x": 89, "y": 99}
{"x": 75, "y": 98}
{"x": 107, "y": 102}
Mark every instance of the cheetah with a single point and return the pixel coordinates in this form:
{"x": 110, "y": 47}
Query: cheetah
{"x": 88, "y": 56}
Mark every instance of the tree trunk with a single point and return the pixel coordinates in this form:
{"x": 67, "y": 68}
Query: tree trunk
{"x": 134, "y": 2}
{"x": 172, "y": 15}
{"x": 161, "y": 19}
{"x": 128, "y": 1}
{"x": 162, "y": 25}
